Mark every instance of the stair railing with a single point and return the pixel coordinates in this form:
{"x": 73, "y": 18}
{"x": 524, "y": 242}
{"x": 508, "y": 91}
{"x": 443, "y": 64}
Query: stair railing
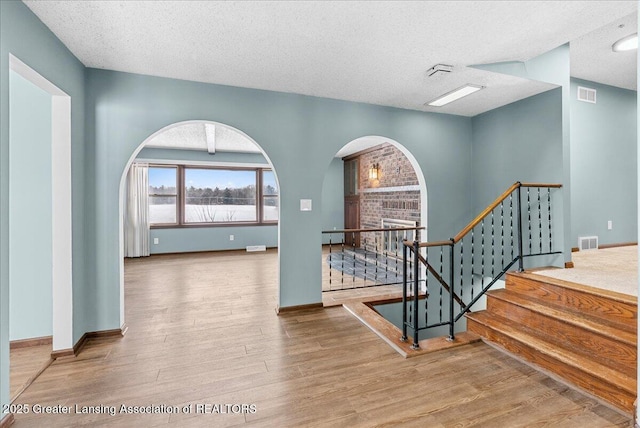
{"x": 362, "y": 258}
{"x": 469, "y": 264}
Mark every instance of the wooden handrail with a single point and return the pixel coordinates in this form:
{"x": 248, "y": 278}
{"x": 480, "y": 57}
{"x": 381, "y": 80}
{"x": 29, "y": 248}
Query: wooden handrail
{"x": 497, "y": 202}
{"x": 486, "y": 212}
{"x": 389, "y": 229}
{"x": 553, "y": 186}
{"x": 428, "y": 244}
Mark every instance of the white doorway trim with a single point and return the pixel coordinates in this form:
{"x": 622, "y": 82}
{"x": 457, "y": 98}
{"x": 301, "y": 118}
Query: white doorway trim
{"x": 62, "y": 272}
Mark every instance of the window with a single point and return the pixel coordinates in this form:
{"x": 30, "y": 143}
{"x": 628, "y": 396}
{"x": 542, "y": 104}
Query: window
{"x": 219, "y": 195}
{"x": 269, "y": 196}
{"x": 163, "y": 195}
{"x": 183, "y": 195}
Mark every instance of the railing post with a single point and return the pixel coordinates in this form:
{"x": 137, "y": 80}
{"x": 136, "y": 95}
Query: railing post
{"x": 404, "y": 293}
{"x": 416, "y": 294}
{"x": 519, "y": 213}
{"x": 452, "y": 336}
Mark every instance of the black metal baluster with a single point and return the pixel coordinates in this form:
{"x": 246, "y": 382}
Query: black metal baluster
{"x": 330, "y": 259}
{"x": 441, "y": 287}
{"x": 353, "y": 247}
{"x": 364, "y": 246}
{"x": 493, "y": 248}
{"x": 519, "y": 214}
{"x": 461, "y": 268}
{"x": 472, "y": 263}
{"x": 511, "y": 224}
{"x": 529, "y": 217}
{"x": 482, "y": 253}
{"x": 540, "y": 219}
{"x": 416, "y": 294}
{"x": 426, "y": 288}
{"x": 404, "y": 293}
{"x": 342, "y": 261}
{"x": 451, "y": 293}
{"x": 549, "y": 211}
{"x": 502, "y": 235}
{"x": 375, "y": 275}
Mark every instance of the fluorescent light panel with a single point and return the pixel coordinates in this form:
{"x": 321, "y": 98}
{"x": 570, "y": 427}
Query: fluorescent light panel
{"x": 626, "y": 43}
{"x": 455, "y": 95}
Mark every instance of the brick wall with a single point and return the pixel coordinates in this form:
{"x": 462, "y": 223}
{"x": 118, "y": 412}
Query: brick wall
{"x": 394, "y": 170}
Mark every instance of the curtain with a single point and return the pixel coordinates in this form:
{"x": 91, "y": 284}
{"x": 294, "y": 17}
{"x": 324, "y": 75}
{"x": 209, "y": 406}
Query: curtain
{"x": 136, "y": 211}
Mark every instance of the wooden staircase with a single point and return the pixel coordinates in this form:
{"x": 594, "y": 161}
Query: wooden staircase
{"x": 581, "y": 334}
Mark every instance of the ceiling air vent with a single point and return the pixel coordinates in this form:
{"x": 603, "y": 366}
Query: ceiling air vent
{"x": 587, "y": 95}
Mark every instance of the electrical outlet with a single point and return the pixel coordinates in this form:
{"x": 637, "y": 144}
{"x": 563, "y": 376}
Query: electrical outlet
{"x": 610, "y": 225}
{"x": 231, "y": 237}
{"x": 156, "y": 241}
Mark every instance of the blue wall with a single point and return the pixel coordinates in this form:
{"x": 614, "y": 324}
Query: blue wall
{"x": 604, "y": 164}
{"x": 30, "y": 237}
{"x": 333, "y": 198}
{"x": 300, "y": 136}
{"x": 26, "y": 37}
{"x": 520, "y": 142}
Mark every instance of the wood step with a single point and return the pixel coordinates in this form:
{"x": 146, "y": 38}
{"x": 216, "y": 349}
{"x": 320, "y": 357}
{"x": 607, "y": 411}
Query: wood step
{"x": 598, "y": 379}
{"x": 583, "y": 334}
{"x": 610, "y": 307}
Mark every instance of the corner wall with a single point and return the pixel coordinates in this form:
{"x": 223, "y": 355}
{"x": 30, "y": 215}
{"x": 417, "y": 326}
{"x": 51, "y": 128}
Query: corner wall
{"x": 27, "y": 38}
{"x": 604, "y": 164}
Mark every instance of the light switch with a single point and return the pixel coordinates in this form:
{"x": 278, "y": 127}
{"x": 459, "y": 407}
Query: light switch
{"x": 305, "y": 204}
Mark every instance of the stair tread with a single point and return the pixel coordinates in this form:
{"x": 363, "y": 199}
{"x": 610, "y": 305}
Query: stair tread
{"x": 613, "y": 295}
{"x": 616, "y": 309}
{"x": 593, "y": 324}
{"x": 515, "y": 332}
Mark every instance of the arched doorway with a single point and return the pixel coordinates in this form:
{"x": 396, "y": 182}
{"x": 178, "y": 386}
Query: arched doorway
{"x": 229, "y": 145}
{"x": 374, "y": 196}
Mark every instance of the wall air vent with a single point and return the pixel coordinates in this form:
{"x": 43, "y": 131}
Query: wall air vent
{"x": 587, "y": 95}
{"x": 588, "y": 243}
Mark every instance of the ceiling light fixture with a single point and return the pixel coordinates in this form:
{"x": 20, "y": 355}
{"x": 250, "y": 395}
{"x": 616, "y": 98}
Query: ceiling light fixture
{"x": 626, "y": 43}
{"x": 454, "y": 95}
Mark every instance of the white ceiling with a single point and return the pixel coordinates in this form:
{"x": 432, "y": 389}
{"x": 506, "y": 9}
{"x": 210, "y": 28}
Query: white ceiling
{"x": 371, "y": 52}
{"x": 593, "y": 59}
{"x": 193, "y": 136}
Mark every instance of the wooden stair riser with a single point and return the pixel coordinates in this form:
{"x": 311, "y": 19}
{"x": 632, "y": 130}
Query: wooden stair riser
{"x": 622, "y": 314}
{"x": 606, "y": 349}
{"x": 595, "y": 385}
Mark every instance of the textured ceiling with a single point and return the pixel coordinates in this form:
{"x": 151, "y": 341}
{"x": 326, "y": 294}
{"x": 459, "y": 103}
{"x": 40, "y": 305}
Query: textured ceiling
{"x": 592, "y": 57}
{"x": 372, "y": 52}
{"x": 192, "y": 136}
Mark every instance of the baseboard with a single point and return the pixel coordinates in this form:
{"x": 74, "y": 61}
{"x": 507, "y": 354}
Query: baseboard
{"x": 288, "y": 309}
{"x": 26, "y": 343}
{"x": 568, "y": 265}
{"x": 198, "y": 252}
{"x": 7, "y": 420}
{"x": 83, "y": 340}
{"x": 622, "y": 244}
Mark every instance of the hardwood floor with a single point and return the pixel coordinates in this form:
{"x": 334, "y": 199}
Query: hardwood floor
{"x": 203, "y": 330}
{"x": 25, "y": 364}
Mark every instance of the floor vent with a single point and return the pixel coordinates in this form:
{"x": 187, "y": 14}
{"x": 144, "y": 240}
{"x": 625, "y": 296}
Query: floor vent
{"x": 588, "y": 243}
{"x": 253, "y": 248}
{"x": 587, "y": 95}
